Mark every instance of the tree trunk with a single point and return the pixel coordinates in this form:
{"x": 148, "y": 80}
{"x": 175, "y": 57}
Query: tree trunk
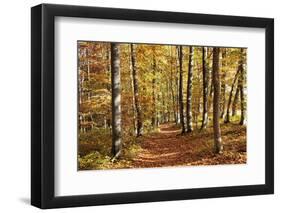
{"x": 223, "y": 83}
{"x": 168, "y": 102}
{"x": 136, "y": 89}
{"x": 189, "y": 92}
{"x": 205, "y": 88}
{"x": 227, "y": 117}
{"x": 171, "y": 86}
{"x": 177, "y": 94}
{"x": 133, "y": 94}
{"x": 216, "y": 102}
{"x": 163, "y": 107}
{"x": 116, "y": 101}
{"x": 108, "y": 73}
{"x": 88, "y": 64}
{"x": 154, "y": 109}
{"x": 235, "y": 101}
{"x": 211, "y": 89}
{"x": 180, "y": 90}
{"x": 242, "y": 88}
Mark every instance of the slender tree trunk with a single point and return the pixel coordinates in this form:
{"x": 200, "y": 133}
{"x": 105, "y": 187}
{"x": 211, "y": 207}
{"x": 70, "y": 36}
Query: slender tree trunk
{"x": 189, "y": 91}
{"x": 133, "y": 95}
{"x": 80, "y": 86}
{"x": 88, "y": 64}
{"x": 108, "y": 67}
{"x": 242, "y": 88}
{"x": 227, "y": 116}
{"x": 136, "y": 89}
{"x": 163, "y": 107}
{"x": 154, "y": 113}
{"x": 223, "y": 83}
{"x": 177, "y": 94}
{"x": 197, "y": 112}
{"x": 209, "y": 60}
{"x": 116, "y": 101}
{"x": 235, "y": 101}
{"x": 172, "y": 89}
{"x": 168, "y": 103}
{"x": 211, "y": 89}
{"x": 216, "y": 102}
{"x": 180, "y": 90}
{"x": 159, "y": 117}
{"x": 205, "y": 88}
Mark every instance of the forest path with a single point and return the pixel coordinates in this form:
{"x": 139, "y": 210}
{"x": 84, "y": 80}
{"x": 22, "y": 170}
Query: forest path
{"x": 169, "y": 148}
{"x": 164, "y": 148}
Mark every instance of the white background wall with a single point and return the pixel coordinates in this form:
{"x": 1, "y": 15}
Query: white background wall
{"x": 15, "y": 105}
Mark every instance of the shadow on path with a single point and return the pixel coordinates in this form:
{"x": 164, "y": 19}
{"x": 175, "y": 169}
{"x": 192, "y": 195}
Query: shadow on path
{"x": 168, "y": 148}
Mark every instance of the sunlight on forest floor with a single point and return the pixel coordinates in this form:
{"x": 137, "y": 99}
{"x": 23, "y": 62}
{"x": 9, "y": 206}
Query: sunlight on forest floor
{"x": 169, "y": 148}
{"x": 137, "y": 90}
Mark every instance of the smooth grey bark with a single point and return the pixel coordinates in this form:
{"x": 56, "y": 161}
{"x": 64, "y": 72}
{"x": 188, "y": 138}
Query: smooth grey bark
{"x": 189, "y": 91}
{"x": 116, "y": 101}
{"x": 211, "y": 86}
{"x": 216, "y": 102}
{"x": 223, "y": 84}
{"x": 205, "y": 88}
{"x": 242, "y": 87}
{"x": 133, "y": 93}
{"x": 136, "y": 89}
{"x": 180, "y": 54}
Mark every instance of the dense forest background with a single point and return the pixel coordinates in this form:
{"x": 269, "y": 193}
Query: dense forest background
{"x": 148, "y": 105}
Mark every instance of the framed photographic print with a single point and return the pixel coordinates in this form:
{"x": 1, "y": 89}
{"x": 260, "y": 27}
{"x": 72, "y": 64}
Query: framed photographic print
{"x": 139, "y": 106}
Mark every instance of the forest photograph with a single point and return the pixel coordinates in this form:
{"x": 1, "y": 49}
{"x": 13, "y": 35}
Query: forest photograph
{"x": 157, "y": 105}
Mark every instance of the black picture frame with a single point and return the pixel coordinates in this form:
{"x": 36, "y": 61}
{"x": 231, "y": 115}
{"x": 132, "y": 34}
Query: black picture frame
{"x": 43, "y": 105}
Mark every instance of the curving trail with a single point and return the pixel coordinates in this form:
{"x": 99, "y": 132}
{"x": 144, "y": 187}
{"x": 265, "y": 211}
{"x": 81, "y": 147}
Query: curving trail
{"x": 168, "y": 148}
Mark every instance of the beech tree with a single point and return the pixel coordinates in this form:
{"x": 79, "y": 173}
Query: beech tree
{"x": 116, "y": 101}
{"x": 158, "y": 91}
{"x": 216, "y": 101}
{"x": 241, "y": 84}
{"x": 223, "y": 83}
{"x": 154, "y": 107}
{"x": 180, "y": 54}
{"x": 189, "y": 92}
{"x": 172, "y": 87}
{"x": 205, "y": 88}
{"x": 136, "y": 92}
{"x": 133, "y": 91}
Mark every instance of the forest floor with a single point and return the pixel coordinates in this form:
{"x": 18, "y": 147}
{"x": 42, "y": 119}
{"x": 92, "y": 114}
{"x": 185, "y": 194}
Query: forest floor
{"x": 169, "y": 148}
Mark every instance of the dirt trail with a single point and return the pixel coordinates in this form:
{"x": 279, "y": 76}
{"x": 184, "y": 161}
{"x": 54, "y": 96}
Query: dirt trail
{"x": 168, "y": 148}
{"x": 165, "y": 148}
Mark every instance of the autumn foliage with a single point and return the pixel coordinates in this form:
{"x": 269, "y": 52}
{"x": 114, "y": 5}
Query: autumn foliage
{"x": 150, "y": 105}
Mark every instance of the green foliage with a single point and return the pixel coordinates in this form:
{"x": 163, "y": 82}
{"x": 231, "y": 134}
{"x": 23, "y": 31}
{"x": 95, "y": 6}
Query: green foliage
{"x": 93, "y": 160}
{"x": 95, "y": 150}
{"x": 235, "y": 118}
{"x": 98, "y": 139}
